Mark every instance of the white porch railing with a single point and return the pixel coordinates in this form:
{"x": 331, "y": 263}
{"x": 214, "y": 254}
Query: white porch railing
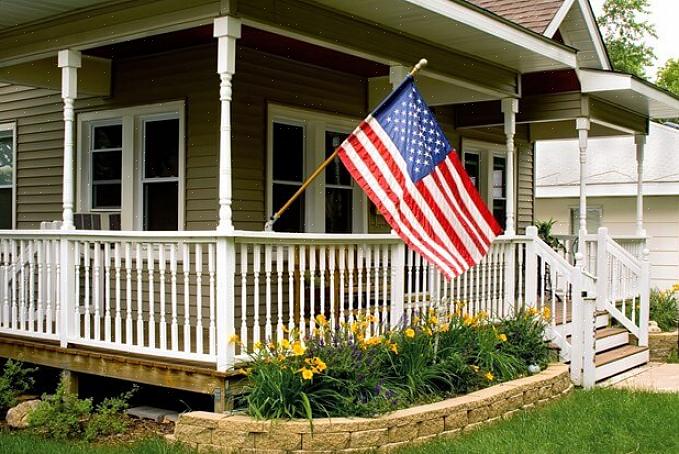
{"x": 183, "y": 295}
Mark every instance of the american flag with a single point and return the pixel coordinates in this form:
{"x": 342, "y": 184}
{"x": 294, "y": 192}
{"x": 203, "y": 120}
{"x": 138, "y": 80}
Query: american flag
{"x": 400, "y": 157}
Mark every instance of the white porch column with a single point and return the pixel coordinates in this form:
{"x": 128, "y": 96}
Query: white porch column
{"x": 582, "y": 125}
{"x": 227, "y": 31}
{"x": 640, "y": 141}
{"x": 69, "y": 62}
{"x": 510, "y": 107}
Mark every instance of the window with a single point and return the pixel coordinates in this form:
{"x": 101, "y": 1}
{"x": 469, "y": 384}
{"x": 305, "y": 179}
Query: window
{"x": 299, "y": 141}
{"x": 160, "y": 173}
{"x": 499, "y": 188}
{"x": 593, "y": 220}
{"x": 7, "y": 176}
{"x": 472, "y": 164}
{"x": 486, "y": 164}
{"x": 106, "y": 147}
{"x": 133, "y": 164}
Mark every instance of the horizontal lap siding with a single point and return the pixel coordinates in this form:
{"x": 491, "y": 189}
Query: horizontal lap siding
{"x": 39, "y": 121}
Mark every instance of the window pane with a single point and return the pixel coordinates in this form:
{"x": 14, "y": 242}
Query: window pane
{"x": 288, "y": 152}
{"x": 106, "y": 165}
{"x": 335, "y": 173}
{"x": 161, "y": 148}
{"x": 471, "y": 165}
{"x": 6, "y": 208}
{"x": 6, "y": 156}
{"x": 500, "y": 212}
{"x": 106, "y": 195}
{"x": 293, "y": 219}
{"x": 110, "y": 136}
{"x": 499, "y": 185}
{"x": 160, "y": 206}
{"x": 338, "y": 210}
{"x": 593, "y": 220}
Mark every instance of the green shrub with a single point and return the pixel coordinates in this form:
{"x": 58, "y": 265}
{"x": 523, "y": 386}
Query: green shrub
{"x": 14, "y": 381}
{"x": 109, "y": 417}
{"x": 664, "y": 308}
{"x": 63, "y": 415}
{"x": 347, "y": 372}
{"x": 60, "y": 415}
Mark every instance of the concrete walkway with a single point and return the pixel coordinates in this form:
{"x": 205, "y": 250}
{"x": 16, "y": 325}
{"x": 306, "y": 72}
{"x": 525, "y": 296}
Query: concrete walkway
{"x": 659, "y": 377}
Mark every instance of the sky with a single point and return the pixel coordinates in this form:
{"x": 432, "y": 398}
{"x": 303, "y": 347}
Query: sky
{"x": 664, "y": 14}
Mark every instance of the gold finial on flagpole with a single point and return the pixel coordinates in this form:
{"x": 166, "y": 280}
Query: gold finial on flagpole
{"x": 420, "y": 64}
{"x": 268, "y": 227}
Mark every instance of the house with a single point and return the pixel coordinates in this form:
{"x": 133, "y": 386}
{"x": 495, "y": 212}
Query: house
{"x": 612, "y": 192}
{"x": 150, "y": 141}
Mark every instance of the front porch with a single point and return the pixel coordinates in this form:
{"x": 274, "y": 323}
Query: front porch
{"x": 174, "y": 299}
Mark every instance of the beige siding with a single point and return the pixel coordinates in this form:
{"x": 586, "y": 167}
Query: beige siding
{"x": 38, "y": 116}
{"x": 661, "y": 220}
{"x": 525, "y": 190}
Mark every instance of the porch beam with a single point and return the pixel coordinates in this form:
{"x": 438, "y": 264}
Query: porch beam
{"x": 93, "y": 80}
{"x": 510, "y": 107}
{"x": 640, "y": 142}
{"x": 69, "y": 61}
{"x": 582, "y": 126}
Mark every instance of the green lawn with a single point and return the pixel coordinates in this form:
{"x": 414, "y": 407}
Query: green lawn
{"x": 22, "y": 443}
{"x": 600, "y": 421}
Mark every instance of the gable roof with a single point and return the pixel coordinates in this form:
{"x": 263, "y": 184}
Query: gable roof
{"x": 535, "y": 15}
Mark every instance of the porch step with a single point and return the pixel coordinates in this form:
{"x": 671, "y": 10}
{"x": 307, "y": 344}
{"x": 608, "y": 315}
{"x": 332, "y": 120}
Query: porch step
{"x": 602, "y": 321}
{"x": 620, "y": 359}
{"x": 608, "y": 338}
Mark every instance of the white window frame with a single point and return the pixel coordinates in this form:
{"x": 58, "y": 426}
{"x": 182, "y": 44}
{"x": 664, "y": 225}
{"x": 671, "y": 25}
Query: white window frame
{"x": 315, "y": 125}
{"x": 574, "y": 210}
{"x": 90, "y": 156}
{"x": 12, "y": 127}
{"x": 132, "y": 206}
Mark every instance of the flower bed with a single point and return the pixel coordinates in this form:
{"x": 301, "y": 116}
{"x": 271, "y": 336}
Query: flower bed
{"x": 447, "y": 418}
{"x": 362, "y": 369}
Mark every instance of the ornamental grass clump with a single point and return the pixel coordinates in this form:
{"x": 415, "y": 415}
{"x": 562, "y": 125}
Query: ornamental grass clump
{"x": 362, "y": 369}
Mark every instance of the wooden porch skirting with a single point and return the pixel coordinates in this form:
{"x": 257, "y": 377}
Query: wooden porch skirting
{"x": 448, "y": 418}
{"x": 171, "y": 373}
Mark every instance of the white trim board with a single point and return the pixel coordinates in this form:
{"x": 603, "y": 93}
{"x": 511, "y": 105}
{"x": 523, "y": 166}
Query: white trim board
{"x": 12, "y": 126}
{"x": 607, "y": 190}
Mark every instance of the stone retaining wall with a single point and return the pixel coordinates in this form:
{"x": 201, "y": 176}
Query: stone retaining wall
{"x": 447, "y": 418}
{"x": 660, "y": 345}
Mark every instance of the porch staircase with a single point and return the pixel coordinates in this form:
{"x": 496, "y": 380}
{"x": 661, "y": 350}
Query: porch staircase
{"x": 611, "y": 299}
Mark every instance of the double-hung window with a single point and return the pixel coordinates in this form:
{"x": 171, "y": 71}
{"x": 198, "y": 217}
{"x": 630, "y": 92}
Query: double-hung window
{"x": 131, "y": 161}
{"x": 298, "y": 142}
{"x": 7, "y": 175}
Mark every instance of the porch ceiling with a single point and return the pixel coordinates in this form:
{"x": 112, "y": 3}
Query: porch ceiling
{"x": 629, "y": 92}
{"x": 21, "y": 12}
{"x": 464, "y": 28}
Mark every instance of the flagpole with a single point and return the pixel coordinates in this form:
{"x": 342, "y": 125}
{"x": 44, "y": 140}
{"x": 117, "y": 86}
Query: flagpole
{"x": 268, "y": 227}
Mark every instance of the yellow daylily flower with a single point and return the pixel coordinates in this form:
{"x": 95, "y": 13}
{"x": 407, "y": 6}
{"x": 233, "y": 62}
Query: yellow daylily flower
{"x": 489, "y": 376}
{"x": 546, "y": 313}
{"x": 298, "y": 349}
{"x": 409, "y": 332}
{"x": 394, "y": 348}
{"x": 285, "y": 344}
{"x": 235, "y": 339}
{"x": 321, "y": 320}
{"x": 307, "y": 374}
{"x": 502, "y": 337}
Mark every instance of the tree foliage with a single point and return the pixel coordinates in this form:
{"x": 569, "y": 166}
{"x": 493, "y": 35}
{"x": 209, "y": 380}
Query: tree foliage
{"x": 624, "y": 32}
{"x": 668, "y": 76}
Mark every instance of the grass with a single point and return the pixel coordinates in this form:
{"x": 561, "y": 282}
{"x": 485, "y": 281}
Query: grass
{"x": 25, "y": 443}
{"x": 599, "y": 421}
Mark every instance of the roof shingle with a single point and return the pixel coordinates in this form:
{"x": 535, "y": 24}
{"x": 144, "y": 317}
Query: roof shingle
{"x": 532, "y": 14}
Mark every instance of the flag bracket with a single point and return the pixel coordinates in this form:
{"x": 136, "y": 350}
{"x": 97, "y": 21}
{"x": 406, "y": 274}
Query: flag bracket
{"x": 268, "y": 227}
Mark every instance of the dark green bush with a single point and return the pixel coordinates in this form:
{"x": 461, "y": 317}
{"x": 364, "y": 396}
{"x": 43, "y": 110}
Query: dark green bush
{"x": 14, "y": 381}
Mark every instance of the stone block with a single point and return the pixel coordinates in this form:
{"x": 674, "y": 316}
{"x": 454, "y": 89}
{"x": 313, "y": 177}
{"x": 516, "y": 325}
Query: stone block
{"x": 331, "y": 441}
{"x": 477, "y": 415}
{"x": 242, "y": 423}
{"x": 152, "y": 413}
{"x": 17, "y": 417}
{"x": 403, "y": 432}
{"x": 530, "y": 396}
{"x": 232, "y": 438}
{"x": 201, "y": 418}
{"x": 456, "y": 420}
{"x": 187, "y": 433}
{"x": 369, "y": 438}
{"x": 279, "y": 439}
{"x": 430, "y": 427}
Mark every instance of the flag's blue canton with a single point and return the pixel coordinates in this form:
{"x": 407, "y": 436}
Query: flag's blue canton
{"x": 410, "y": 124}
